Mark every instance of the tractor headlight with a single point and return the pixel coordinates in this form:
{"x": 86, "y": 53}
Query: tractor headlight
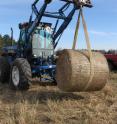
{"x": 50, "y": 66}
{"x": 35, "y": 56}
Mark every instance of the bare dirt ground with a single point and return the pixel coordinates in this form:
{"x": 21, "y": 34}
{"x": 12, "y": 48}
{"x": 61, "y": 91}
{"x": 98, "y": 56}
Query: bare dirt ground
{"x": 48, "y": 105}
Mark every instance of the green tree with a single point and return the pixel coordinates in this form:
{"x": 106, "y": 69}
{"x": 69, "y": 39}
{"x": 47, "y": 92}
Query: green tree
{"x": 7, "y": 40}
{"x": 1, "y": 41}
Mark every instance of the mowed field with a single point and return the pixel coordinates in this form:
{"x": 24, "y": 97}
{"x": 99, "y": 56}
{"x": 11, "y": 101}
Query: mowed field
{"x": 48, "y": 105}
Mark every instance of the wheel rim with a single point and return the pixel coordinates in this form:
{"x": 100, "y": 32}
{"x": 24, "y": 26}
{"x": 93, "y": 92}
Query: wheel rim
{"x": 15, "y": 76}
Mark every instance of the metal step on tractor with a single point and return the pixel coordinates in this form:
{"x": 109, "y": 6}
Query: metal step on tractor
{"x": 34, "y": 55}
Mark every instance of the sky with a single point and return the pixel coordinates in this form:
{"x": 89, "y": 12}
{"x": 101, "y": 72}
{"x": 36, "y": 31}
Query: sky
{"x": 101, "y": 22}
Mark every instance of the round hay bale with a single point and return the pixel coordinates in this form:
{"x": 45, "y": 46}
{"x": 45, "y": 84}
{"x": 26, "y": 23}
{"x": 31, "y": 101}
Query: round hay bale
{"x": 73, "y": 71}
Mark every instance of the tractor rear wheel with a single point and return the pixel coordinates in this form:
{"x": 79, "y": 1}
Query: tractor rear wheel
{"x": 20, "y": 74}
{"x": 4, "y": 70}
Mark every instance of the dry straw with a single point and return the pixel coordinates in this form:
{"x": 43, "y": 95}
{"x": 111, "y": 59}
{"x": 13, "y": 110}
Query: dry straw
{"x": 73, "y": 71}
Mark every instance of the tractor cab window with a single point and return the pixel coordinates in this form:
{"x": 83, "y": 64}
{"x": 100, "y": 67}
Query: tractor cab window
{"x": 38, "y": 39}
{"x": 42, "y": 41}
{"x": 49, "y": 40}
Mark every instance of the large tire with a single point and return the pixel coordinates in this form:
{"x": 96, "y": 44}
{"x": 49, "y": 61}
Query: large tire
{"x": 20, "y": 74}
{"x": 4, "y": 70}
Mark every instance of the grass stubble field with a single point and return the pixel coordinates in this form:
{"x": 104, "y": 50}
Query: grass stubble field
{"x": 48, "y": 105}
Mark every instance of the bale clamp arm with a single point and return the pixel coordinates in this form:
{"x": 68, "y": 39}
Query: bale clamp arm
{"x": 90, "y": 57}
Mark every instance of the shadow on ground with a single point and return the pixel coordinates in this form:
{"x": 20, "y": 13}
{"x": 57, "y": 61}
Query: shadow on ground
{"x": 8, "y": 96}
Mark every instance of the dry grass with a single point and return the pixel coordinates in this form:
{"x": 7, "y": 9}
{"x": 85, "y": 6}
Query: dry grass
{"x": 48, "y": 105}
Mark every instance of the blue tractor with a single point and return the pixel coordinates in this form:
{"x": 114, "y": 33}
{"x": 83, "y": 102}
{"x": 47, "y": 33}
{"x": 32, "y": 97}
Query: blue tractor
{"x": 34, "y": 55}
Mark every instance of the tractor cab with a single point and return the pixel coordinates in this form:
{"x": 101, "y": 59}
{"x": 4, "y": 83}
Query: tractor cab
{"x": 42, "y": 42}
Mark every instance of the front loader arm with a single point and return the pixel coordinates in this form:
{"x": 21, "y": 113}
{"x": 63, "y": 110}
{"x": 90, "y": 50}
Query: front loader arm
{"x": 39, "y": 15}
{"x": 59, "y": 15}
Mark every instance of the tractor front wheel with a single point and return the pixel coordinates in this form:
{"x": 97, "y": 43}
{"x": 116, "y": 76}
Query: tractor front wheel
{"x": 20, "y": 74}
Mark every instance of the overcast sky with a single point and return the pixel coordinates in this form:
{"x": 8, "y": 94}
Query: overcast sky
{"x": 101, "y": 21}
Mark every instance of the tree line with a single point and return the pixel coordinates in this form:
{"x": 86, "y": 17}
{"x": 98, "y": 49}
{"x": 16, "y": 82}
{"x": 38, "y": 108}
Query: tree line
{"x": 6, "y": 40}
{"x": 111, "y": 51}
